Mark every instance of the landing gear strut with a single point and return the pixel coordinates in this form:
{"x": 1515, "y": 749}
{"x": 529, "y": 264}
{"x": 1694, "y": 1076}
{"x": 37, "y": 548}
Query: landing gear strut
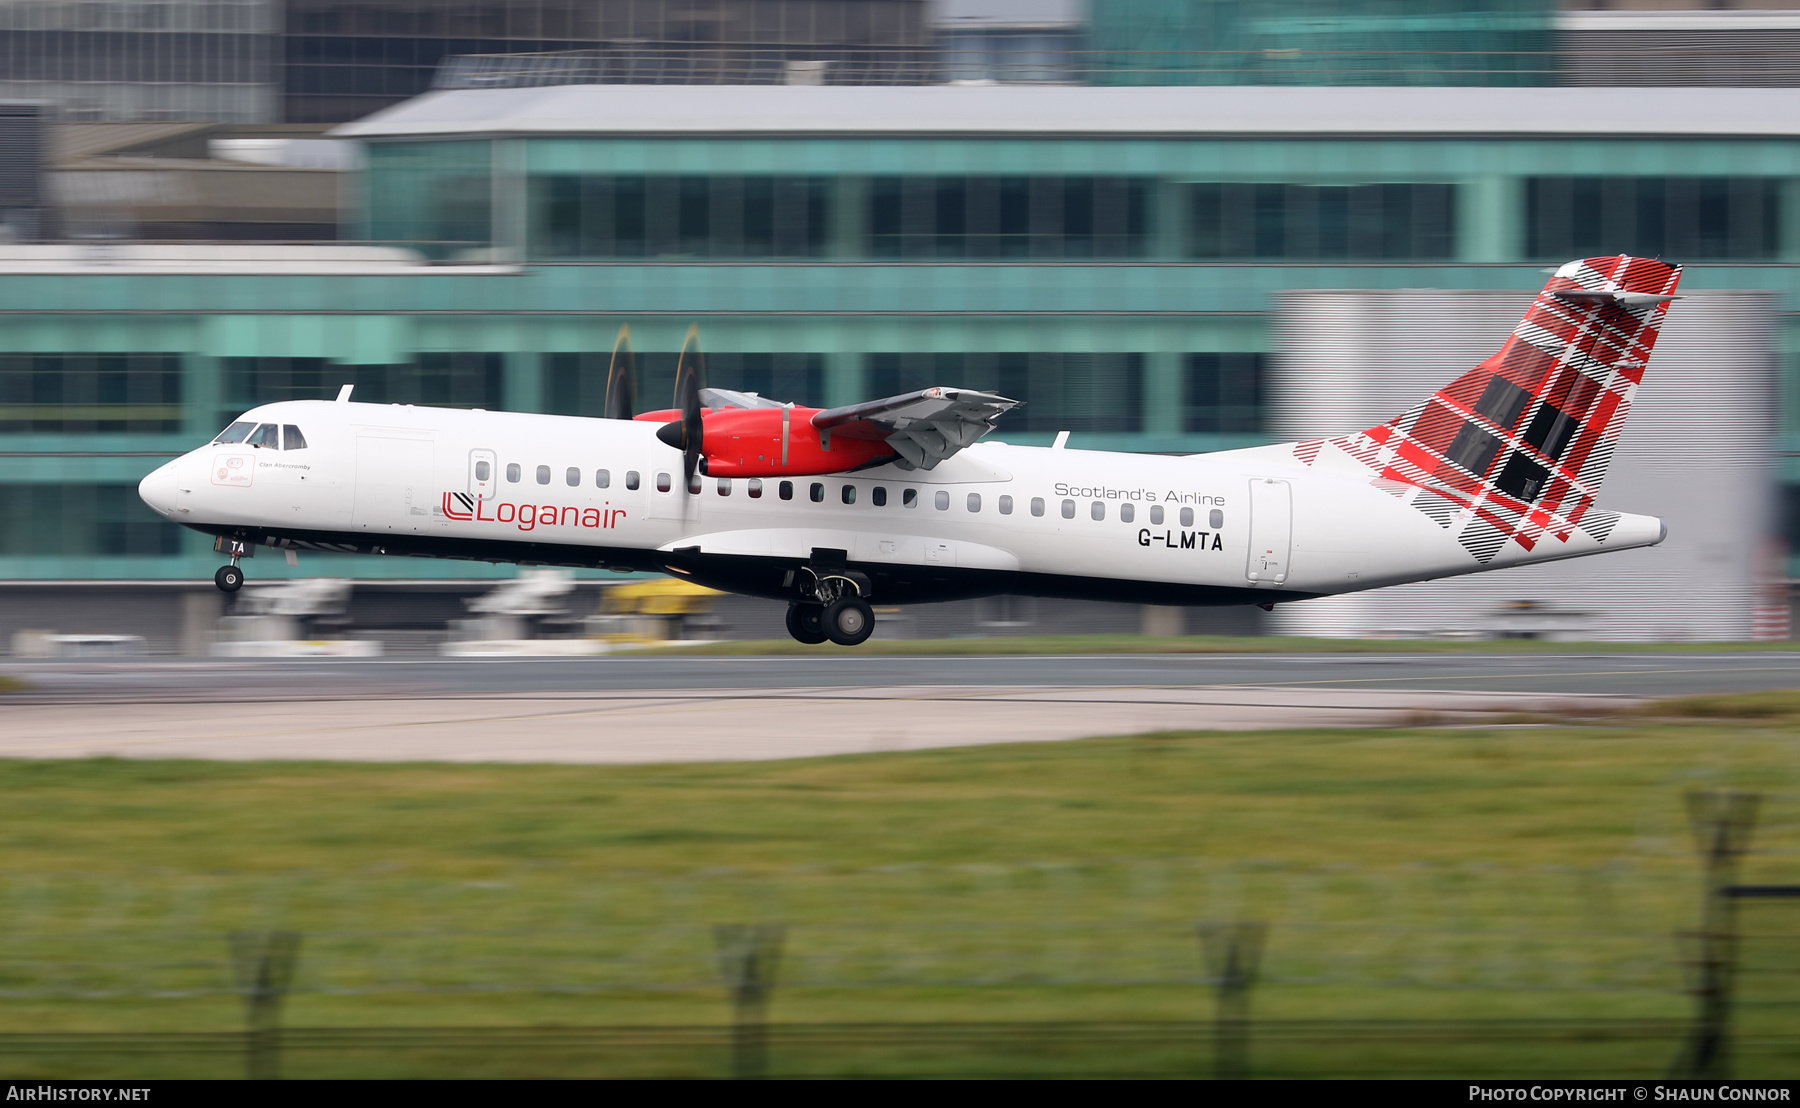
{"x": 230, "y": 578}
{"x": 832, "y": 605}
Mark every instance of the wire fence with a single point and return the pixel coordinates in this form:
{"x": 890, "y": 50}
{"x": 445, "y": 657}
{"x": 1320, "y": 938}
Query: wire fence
{"x": 1646, "y": 962}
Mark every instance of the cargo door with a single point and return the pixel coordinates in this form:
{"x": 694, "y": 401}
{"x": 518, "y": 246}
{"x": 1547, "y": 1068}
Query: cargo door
{"x": 1271, "y": 530}
{"x": 394, "y": 489}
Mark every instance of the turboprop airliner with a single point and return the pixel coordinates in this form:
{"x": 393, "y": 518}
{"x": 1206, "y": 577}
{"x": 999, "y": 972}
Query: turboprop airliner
{"x": 898, "y": 501}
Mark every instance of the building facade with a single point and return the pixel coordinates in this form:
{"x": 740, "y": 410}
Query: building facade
{"x": 1116, "y": 258}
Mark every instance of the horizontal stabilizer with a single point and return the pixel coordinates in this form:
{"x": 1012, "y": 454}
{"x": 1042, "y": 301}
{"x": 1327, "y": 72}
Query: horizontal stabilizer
{"x": 1614, "y": 296}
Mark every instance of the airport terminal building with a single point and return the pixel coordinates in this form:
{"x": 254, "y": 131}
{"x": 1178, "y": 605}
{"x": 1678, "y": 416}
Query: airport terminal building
{"x": 1143, "y": 267}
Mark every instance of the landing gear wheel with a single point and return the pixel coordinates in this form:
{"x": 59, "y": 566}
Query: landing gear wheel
{"x": 850, "y": 621}
{"x": 229, "y": 578}
{"x": 806, "y": 622}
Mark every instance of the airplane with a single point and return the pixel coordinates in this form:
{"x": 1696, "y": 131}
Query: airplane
{"x": 898, "y": 501}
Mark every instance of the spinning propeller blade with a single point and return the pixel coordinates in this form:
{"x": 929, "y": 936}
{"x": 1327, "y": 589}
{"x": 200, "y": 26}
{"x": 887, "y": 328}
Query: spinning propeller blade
{"x": 621, "y": 379}
{"x": 688, "y": 433}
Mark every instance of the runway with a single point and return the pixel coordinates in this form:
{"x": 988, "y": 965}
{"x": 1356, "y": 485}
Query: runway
{"x": 684, "y": 709}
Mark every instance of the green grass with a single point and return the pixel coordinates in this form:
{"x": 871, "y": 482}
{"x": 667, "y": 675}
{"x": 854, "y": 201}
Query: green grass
{"x": 1207, "y": 644}
{"x": 11, "y": 684}
{"x": 1434, "y": 874}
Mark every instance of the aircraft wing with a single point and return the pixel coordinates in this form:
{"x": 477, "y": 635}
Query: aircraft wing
{"x": 923, "y": 427}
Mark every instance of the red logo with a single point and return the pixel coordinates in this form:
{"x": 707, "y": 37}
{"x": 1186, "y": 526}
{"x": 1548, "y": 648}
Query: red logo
{"x": 464, "y": 508}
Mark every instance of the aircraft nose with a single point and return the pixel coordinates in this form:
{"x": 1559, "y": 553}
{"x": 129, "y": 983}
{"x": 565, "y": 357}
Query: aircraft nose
{"x": 162, "y": 488}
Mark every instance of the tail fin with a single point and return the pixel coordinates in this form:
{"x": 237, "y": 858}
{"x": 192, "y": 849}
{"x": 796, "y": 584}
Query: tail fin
{"x": 1519, "y": 445}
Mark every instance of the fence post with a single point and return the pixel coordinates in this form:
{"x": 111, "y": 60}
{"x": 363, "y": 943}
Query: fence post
{"x": 749, "y": 956}
{"x": 262, "y": 963}
{"x": 1233, "y": 955}
{"x": 1722, "y": 823}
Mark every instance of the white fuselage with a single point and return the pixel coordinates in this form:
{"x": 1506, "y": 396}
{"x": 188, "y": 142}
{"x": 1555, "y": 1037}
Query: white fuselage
{"x": 1240, "y": 526}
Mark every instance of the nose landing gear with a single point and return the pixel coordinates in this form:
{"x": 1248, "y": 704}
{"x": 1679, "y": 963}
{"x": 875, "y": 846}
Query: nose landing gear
{"x": 230, "y": 578}
{"x": 832, "y": 606}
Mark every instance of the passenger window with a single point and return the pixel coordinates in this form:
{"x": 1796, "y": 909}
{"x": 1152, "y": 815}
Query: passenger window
{"x": 909, "y": 498}
{"x": 942, "y": 499}
{"x": 754, "y": 488}
{"x": 603, "y": 478}
{"x": 482, "y": 470}
{"x": 663, "y": 482}
{"x": 292, "y": 439}
{"x": 1006, "y": 505}
{"x": 573, "y": 477}
{"x": 724, "y": 486}
{"x": 1156, "y": 514}
{"x": 236, "y": 432}
{"x": 1037, "y": 505}
{"x": 1127, "y": 513}
{"x": 878, "y": 496}
{"x": 817, "y": 493}
{"x": 974, "y": 502}
{"x": 849, "y": 494}
{"x": 512, "y": 472}
{"x": 543, "y": 475}
{"x": 631, "y": 479}
{"x": 1098, "y": 511}
{"x": 1187, "y": 517}
{"x": 1068, "y": 509}
{"x": 694, "y": 482}
{"x": 267, "y": 436}
{"x": 786, "y": 491}
{"x": 1216, "y": 519}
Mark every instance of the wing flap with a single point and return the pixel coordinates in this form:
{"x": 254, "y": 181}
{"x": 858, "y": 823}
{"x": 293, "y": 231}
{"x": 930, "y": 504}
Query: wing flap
{"x": 923, "y": 427}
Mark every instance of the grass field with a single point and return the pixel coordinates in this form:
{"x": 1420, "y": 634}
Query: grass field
{"x": 1207, "y": 644}
{"x": 1531, "y": 873}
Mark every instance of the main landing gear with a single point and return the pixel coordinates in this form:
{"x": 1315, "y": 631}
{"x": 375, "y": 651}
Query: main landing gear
{"x": 230, "y": 578}
{"x": 832, "y": 606}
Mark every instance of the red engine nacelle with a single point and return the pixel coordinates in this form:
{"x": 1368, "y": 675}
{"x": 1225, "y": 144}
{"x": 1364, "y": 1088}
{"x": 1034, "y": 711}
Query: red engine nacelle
{"x": 755, "y": 442}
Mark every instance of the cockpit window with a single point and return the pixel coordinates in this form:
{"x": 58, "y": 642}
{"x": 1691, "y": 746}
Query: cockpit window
{"x": 237, "y": 431}
{"x": 268, "y": 435}
{"x": 291, "y": 437}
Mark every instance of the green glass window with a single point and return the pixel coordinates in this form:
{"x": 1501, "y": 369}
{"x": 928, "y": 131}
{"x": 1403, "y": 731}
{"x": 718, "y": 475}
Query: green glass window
{"x": 1007, "y": 217}
{"x": 90, "y": 393}
{"x": 575, "y": 384}
{"x": 1060, "y": 392}
{"x": 459, "y": 380}
{"x": 434, "y": 197}
{"x": 678, "y": 217}
{"x": 1304, "y": 222}
{"x": 1225, "y": 393}
{"x": 81, "y": 519}
{"x": 1684, "y": 218}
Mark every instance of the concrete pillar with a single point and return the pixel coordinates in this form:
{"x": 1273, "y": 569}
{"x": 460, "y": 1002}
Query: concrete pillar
{"x": 509, "y": 199}
{"x": 200, "y": 612}
{"x": 849, "y": 217}
{"x": 1169, "y": 219}
{"x": 1490, "y": 219}
{"x": 1164, "y": 622}
{"x": 202, "y": 395}
{"x": 844, "y": 382}
{"x": 1163, "y": 393}
{"x": 522, "y": 388}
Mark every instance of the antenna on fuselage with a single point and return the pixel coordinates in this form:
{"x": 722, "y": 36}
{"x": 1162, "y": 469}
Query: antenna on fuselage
{"x": 344, "y": 394}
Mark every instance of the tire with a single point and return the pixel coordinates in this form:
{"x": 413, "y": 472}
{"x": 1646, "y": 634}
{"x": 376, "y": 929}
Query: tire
{"x": 850, "y": 621}
{"x": 229, "y": 578}
{"x": 806, "y": 623}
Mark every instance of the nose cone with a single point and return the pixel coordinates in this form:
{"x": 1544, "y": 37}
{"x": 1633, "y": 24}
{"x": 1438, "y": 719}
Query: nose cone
{"x": 162, "y": 488}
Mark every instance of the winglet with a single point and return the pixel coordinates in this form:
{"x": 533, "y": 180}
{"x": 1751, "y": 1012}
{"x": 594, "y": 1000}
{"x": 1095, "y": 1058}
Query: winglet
{"x": 344, "y": 394}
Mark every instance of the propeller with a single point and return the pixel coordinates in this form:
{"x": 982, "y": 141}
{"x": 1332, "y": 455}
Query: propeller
{"x": 621, "y": 378}
{"x": 688, "y": 433}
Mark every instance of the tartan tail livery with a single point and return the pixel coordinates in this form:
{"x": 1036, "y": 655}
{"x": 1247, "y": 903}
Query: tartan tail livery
{"x": 1514, "y": 451}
